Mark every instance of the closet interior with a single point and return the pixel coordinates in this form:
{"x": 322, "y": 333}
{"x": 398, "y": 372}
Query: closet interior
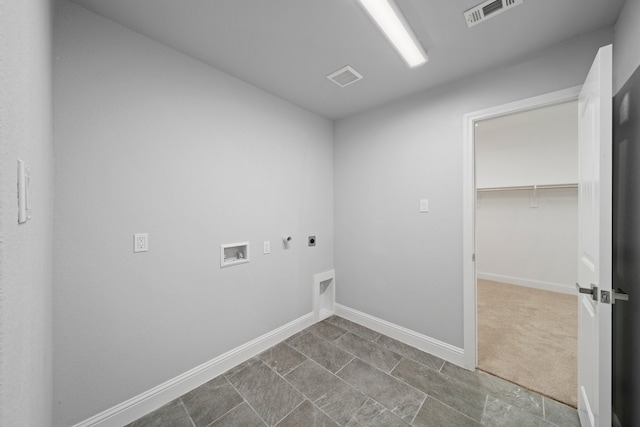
{"x": 526, "y": 248}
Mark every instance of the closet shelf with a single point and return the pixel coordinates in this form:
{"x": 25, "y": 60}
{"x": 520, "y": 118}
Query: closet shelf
{"x": 528, "y": 187}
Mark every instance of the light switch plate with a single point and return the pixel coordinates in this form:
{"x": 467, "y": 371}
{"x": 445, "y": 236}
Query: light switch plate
{"x": 424, "y": 205}
{"x": 24, "y": 179}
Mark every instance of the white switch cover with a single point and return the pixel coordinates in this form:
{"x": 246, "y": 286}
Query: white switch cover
{"x": 424, "y": 205}
{"x": 141, "y": 242}
{"x": 267, "y": 246}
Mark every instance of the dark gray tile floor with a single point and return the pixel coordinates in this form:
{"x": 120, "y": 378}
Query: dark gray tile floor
{"x": 339, "y": 373}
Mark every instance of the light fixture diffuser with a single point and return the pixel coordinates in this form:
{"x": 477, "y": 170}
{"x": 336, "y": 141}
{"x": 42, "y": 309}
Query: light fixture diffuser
{"x": 394, "y": 26}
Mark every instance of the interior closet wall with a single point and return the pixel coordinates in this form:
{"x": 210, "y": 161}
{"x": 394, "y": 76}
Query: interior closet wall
{"x": 528, "y": 237}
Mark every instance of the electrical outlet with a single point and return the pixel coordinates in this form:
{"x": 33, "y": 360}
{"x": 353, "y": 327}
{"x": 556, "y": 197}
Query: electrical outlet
{"x": 267, "y": 247}
{"x": 141, "y": 242}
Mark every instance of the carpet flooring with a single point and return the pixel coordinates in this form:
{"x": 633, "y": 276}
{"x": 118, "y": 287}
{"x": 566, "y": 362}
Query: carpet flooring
{"x": 529, "y": 337}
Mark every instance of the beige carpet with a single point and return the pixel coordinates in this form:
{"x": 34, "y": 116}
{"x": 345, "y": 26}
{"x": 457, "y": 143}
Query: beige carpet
{"x": 529, "y": 337}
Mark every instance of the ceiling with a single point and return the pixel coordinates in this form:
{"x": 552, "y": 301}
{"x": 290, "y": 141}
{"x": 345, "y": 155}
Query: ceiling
{"x": 288, "y": 47}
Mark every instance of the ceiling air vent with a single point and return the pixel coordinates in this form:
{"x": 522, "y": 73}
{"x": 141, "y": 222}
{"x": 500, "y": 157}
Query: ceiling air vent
{"x": 344, "y": 76}
{"x": 488, "y": 9}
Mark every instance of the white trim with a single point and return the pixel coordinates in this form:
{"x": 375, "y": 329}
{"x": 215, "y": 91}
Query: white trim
{"x": 142, "y": 404}
{"x": 330, "y": 294}
{"x": 469, "y": 205}
{"x": 438, "y": 348}
{"x": 529, "y": 283}
{"x": 469, "y": 244}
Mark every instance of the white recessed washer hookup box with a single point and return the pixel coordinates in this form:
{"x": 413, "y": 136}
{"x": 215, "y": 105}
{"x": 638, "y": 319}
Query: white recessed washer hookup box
{"x": 234, "y": 253}
{"x": 324, "y": 295}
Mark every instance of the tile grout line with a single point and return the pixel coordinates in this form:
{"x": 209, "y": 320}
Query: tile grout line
{"x": 484, "y": 408}
{"x": 361, "y": 406}
{"x": 488, "y": 392}
{"x": 291, "y": 411}
{"x": 396, "y": 365}
{"x": 378, "y": 335}
{"x": 290, "y": 370}
{"x": 345, "y": 333}
{"x": 305, "y": 397}
{"x": 426, "y": 396}
{"x": 438, "y": 400}
{"x": 244, "y": 399}
{"x": 193, "y": 423}
{"x": 331, "y": 343}
{"x": 454, "y": 409}
{"x": 367, "y": 397}
{"x": 386, "y": 347}
{"x": 230, "y": 410}
{"x": 355, "y": 356}
{"x": 303, "y": 394}
{"x": 393, "y": 377}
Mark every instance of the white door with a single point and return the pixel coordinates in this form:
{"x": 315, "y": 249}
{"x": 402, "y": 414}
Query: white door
{"x": 594, "y": 265}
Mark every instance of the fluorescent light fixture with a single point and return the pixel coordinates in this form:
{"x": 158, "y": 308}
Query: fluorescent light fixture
{"x": 393, "y": 25}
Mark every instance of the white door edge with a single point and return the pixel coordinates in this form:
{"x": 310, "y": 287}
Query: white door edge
{"x": 595, "y": 236}
{"x": 469, "y": 205}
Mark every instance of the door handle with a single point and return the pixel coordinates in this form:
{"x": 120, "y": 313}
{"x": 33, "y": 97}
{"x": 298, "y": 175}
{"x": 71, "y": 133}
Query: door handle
{"x": 593, "y": 291}
{"x": 616, "y": 294}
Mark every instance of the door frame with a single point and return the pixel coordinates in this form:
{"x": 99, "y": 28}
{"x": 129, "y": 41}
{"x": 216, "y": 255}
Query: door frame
{"x": 469, "y": 205}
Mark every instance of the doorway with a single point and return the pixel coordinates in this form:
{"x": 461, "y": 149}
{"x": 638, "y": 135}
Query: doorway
{"x": 526, "y": 245}
{"x": 530, "y": 195}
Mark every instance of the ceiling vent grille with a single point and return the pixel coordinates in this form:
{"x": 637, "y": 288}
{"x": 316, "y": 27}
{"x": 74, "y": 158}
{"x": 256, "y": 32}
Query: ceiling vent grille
{"x": 344, "y": 76}
{"x": 488, "y": 9}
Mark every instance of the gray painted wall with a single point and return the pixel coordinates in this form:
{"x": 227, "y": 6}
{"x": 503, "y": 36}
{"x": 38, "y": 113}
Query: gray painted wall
{"x": 150, "y": 140}
{"x": 25, "y": 250}
{"x": 392, "y": 261}
{"x": 626, "y": 204}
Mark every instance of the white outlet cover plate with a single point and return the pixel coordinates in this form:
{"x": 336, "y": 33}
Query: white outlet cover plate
{"x": 267, "y": 247}
{"x": 141, "y": 242}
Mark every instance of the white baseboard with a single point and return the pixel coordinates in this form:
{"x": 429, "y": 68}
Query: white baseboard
{"x": 142, "y": 404}
{"x": 438, "y": 348}
{"x": 537, "y": 284}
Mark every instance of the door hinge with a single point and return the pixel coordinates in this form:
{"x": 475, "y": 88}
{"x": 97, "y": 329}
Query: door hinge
{"x": 611, "y": 297}
{"x": 473, "y": 258}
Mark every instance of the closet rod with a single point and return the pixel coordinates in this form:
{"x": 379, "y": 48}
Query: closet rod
{"x": 528, "y": 187}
